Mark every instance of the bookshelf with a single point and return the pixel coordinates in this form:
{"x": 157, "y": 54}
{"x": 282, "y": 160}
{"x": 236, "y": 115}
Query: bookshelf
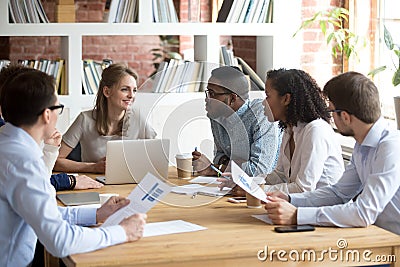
{"x": 276, "y": 47}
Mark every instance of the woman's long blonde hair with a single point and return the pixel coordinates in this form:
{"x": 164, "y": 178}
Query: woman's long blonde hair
{"x": 111, "y": 77}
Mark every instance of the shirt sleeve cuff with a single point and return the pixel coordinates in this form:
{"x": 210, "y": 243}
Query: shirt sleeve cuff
{"x": 117, "y": 233}
{"x": 307, "y": 215}
{"x": 86, "y": 216}
{"x": 217, "y": 158}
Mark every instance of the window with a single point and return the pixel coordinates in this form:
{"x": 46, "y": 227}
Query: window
{"x": 369, "y": 21}
{"x": 388, "y": 16}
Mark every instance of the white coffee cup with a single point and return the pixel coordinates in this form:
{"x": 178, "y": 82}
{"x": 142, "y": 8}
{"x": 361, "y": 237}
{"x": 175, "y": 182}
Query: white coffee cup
{"x": 253, "y": 202}
{"x": 184, "y": 165}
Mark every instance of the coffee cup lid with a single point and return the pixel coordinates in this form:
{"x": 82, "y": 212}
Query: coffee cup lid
{"x": 184, "y": 156}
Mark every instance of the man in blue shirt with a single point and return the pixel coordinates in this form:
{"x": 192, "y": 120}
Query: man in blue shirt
{"x": 241, "y": 131}
{"x": 369, "y": 190}
{"x": 27, "y": 199}
{"x": 60, "y": 181}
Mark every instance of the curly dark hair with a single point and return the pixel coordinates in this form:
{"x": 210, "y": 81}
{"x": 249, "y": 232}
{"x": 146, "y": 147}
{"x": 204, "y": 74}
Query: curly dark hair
{"x": 307, "y": 101}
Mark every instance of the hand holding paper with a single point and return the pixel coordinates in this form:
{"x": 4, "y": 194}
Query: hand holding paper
{"x": 142, "y": 199}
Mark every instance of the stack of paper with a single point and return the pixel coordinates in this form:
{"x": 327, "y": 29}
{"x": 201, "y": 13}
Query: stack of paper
{"x": 196, "y": 189}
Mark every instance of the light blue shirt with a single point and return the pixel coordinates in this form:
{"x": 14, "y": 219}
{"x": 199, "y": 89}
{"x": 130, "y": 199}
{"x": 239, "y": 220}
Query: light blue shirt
{"x": 374, "y": 174}
{"x": 28, "y": 207}
{"x": 248, "y": 138}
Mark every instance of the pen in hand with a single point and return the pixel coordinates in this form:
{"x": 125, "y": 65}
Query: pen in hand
{"x": 219, "y": 172}
{"x": 195, "y": 149}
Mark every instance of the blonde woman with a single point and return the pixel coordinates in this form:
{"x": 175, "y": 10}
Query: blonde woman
{"x": 93, "y": 128}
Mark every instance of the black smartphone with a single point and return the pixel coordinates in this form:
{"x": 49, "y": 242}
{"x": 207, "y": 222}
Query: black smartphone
{"x": 294, "y": 228}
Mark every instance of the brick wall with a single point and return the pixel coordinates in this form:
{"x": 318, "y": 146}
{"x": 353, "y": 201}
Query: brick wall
{"x": 135, "y": 50}
{"x": 131, "y": 50}
{"x": 316, "y": 57}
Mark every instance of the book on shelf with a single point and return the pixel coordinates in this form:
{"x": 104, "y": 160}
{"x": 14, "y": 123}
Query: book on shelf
{"x": 159, "y": 75}
{"x": 91, "y": 74}
{"x": 167, "y": 76}
{"x": 270, "y": 12}
{"x": 51, "y": 67}
{"x": 59, "y": 72}
{"x": 178, "y": 76}
{"x": 65, "y": 13}
{"x": 227, "y": 57}
{"x": 164, "y": 11}
{"x": 27, "y": 11}
{"x": 224, "y": 10}
{"x": 63, "y": 88}
{"x": 246, "y": 11}
{"x": 122, "y": 11}
{"x": 246, "y": 69}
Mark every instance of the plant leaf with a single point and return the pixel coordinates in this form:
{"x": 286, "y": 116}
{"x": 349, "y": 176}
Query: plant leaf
{"x": 388, "y": 39}
{"x": 396, "y": 78}
{"x": 322, "y": 25}
{"x": 174, "y": 55}
{"x": 376, "y": 71}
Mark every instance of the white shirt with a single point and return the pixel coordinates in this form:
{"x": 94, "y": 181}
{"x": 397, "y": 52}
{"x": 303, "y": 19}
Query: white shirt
{"x": 29, "y": 210}
{"x": 374, "y": 171}
{"x": 317, "y": 159}
{"x": 50, "y": 154}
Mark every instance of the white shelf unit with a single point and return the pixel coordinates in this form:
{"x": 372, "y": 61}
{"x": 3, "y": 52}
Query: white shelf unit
{"x": 276, "y": 48}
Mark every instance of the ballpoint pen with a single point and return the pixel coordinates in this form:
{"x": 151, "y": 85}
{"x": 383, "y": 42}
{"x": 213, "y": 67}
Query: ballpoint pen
{"x": 195, "y": 149}
{"x": 219, "y": 172}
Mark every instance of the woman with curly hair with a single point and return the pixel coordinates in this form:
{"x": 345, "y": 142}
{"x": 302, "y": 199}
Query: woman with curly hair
{"x": 310, "y": 154}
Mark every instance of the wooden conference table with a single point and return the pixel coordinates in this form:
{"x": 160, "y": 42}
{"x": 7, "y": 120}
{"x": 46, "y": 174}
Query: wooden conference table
{"x": 234, "y": 238}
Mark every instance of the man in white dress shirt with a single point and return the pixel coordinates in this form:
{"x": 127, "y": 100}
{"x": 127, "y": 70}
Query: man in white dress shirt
{"x": 369, "y": 190}
{"x": 28, "y": 204}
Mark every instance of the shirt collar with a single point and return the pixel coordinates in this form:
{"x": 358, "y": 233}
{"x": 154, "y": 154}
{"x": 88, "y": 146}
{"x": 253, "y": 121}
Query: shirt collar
{"x": 374, "y": 134}
{"x": 27, "y": 140}
{"x": 243, "y": 108}
{"x": 299, "y": 127}
{"x": 234, "y": 117}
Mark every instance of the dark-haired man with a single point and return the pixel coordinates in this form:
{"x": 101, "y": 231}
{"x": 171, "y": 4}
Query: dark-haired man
{"x": 28, "y": 205}
{"x": 60, "y": 181}
{"x": 241, "y": 131}
{"x": 369, "y": 190}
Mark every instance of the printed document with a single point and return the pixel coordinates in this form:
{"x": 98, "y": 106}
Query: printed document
{"x": 145, "y": 195}
{"x": 263, "y": 217}
{"x": 197, "y": 189}
{"x": 205, "y": 180}
{"x": 247, "y": 183}
{"x": 170, "y": 227}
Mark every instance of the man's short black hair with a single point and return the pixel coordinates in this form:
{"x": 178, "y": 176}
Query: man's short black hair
{"x": 25, "y": 94}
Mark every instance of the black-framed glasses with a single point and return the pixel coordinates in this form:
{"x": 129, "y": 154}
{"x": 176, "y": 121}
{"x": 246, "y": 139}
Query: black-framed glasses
{"x": 60, "y": 106}
{"x": 212, "y": 94}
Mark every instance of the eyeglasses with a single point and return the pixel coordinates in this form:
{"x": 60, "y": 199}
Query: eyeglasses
{"x": 212, "y": 94}
{"x": 60, "y": 106}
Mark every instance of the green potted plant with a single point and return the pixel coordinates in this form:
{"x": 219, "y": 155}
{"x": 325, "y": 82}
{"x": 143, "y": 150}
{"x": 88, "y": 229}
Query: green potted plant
{"x": 332, "y": 23}
{"x": 396, "y": 64}
{"x": 395, "y": 68}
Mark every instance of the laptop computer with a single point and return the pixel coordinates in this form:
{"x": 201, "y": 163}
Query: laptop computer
{"x": 73, "y": 199}
{"x": 128, "y": 161}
